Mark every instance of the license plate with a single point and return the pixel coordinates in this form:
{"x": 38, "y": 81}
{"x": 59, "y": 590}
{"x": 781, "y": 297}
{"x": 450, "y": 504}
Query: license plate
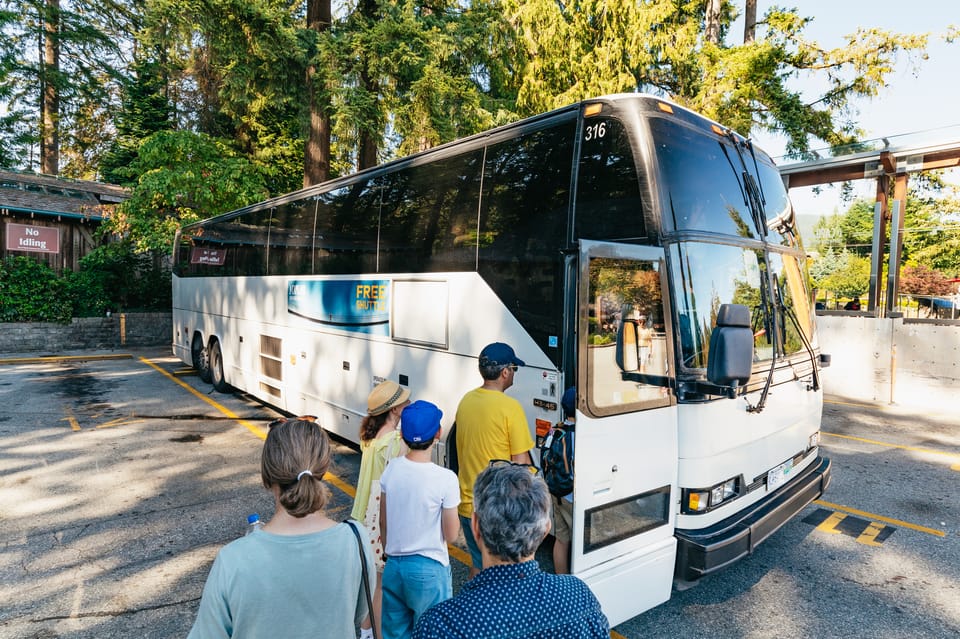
{"x": 779, "y": 475}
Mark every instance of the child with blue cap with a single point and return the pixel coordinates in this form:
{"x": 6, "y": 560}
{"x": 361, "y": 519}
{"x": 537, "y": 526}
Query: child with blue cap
{"x": 418, "y": 518}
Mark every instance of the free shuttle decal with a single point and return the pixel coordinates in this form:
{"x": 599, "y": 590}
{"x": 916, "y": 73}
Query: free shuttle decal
{"x": 359, "y": 306}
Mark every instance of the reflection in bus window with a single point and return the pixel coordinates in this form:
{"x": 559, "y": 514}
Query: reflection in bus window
{"x": 346, "y": 233}
{"x": 778, "y": 209}
{"x": 621, "y": 290}
{"x": 291, "y": 238}
{"x": 523, "y": 221}
{"x": 795, "y": 311}
{"x": 428, "y": 222}
{"x": 706, "y": 276}
{"x": 701, "y": 181}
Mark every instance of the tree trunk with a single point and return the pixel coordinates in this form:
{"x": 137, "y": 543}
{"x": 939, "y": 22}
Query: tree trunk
{"x": 711, "y": 30}
{"x": 369, "y": 135}
{"x": 50, "y": 100}
{"x": 316, "y": 160}
{"x": 750, "y": 21}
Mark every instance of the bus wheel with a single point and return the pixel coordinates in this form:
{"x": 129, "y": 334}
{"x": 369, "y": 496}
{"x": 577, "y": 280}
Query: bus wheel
{"x": 216, "y": 369}
{"x": 199, "y": 358}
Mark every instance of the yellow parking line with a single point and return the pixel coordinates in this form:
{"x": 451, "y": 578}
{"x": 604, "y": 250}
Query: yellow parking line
{"x": 253, "y": 428}
{"x": 829, "y": 525}
{"x": 74, "y": 424}
{"x": 900, "y": 446}
{"x": 869, "y": 536}
{"x": 889, "y": 520}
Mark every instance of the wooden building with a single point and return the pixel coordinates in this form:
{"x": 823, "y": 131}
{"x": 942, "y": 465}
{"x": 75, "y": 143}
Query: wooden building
{"x": 53, "y": 219}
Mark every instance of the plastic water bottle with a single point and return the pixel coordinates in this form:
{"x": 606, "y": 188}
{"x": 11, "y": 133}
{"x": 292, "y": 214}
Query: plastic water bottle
{"x": 253, "y": 523}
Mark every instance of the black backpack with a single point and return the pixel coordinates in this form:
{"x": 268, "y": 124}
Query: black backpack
{"x": 556, "y": 460}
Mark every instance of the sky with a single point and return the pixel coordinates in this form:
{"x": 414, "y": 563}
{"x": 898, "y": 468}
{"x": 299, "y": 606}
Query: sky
{"x": 921, "y": 98}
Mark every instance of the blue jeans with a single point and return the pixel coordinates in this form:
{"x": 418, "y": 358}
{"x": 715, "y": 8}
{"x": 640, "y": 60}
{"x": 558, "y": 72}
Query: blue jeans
{"x": 411, "y": 584}
{"x": 475, "y": 556}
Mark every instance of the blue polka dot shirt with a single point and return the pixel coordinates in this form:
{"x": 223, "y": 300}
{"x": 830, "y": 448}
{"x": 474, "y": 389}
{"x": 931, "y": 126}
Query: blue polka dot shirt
{"x": 517, "y": 601}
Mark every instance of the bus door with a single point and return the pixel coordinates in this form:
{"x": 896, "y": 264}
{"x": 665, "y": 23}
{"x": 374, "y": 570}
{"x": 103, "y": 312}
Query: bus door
{"x": 625, "y": 453}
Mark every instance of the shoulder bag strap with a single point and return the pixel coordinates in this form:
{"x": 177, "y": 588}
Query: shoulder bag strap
{"x": 364, "y": 577}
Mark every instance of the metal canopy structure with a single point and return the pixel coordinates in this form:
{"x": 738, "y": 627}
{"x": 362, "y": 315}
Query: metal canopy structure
{"x": 884, "y": 162}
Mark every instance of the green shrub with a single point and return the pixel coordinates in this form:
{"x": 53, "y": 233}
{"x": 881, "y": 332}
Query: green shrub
{"x": 30, "y": 291}
{"x": 111, "y": 278}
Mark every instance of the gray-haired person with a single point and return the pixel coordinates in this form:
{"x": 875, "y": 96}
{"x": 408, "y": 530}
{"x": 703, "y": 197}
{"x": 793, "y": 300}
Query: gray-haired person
{"x": 512, "y": 597}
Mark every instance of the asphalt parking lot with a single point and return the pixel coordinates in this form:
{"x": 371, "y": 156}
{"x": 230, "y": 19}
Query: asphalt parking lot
{"x": 121, "y": 477}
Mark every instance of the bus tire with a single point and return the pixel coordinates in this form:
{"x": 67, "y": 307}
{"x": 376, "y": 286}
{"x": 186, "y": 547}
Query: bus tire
{"x": 200, "y": 358}
{"x": 216, "y": 369}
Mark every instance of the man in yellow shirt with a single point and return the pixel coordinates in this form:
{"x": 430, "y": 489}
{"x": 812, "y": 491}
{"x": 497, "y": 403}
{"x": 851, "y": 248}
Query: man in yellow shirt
{"x": 490, "y": 425}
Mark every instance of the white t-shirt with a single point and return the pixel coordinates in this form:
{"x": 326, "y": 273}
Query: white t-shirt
{"x": 416, "y": 493}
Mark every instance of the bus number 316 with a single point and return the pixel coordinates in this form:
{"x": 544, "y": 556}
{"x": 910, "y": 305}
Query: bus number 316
{"x": 595, "y": 131}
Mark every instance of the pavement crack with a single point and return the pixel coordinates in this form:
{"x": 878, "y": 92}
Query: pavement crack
{"x": 114, "y": 613}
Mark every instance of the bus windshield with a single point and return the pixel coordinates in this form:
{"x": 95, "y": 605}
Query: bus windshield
{"x": 708, "y": 275}
{"x": 703, "y": 180}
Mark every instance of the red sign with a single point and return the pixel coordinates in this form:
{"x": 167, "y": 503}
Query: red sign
{"x": 34, "y": 239}
{"x": 214, "y": 257}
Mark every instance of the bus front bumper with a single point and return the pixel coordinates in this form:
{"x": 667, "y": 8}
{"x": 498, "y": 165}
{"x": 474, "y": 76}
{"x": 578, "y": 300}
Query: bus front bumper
{"x": 702, "y": 552}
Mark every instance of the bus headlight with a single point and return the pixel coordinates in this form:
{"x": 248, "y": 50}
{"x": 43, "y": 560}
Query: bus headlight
{"x": 701, "y": 500}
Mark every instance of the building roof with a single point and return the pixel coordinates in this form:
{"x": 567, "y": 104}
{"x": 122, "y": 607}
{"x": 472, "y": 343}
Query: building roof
{"x": 47, "y": 195}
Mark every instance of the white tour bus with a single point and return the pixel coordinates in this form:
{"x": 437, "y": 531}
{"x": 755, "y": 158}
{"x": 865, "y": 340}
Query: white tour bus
{"x": 624, "y": 245}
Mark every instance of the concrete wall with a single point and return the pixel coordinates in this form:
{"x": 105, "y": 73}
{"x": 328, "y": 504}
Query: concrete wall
{"x": 117, "y": 331}
{"x": 889, "y": 360}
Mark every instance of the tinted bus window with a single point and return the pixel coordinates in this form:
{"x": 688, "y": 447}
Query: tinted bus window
{"x": 291, "y": 238}
{"x": 608, "y": 205}
{"x": 428, "y": 221}
{"x": 700, "y": 181}
{"x": 346, "y": 232}
{"x": 245, "y": 237}
{"x": 523, "y": 226}
{"x": 777, "y": 207}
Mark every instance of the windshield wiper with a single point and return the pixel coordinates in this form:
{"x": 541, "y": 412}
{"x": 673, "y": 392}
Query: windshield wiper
{"x": 767, "y": 301}
{"x": 789, "y": 312}
{"x": 754, "y": 195}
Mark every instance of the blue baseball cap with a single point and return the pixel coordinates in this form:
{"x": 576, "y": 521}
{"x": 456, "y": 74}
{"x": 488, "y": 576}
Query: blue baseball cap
{"x": 569, "y": 401}
{"x": 420, "y": 421}
{"x": 499, "y": 354}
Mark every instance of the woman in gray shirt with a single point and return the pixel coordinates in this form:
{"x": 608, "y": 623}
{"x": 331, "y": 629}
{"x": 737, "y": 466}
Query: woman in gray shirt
{"x": 300, "y": 575}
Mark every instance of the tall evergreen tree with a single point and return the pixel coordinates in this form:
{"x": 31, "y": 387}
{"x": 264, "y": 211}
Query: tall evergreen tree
{"x": 60, "y": 57}
{"x": 145, "y": 110}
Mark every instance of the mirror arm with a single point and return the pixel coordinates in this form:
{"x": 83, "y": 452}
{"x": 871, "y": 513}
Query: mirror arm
{"x": 650, "y": 380}
{"x": 706, "y": 388}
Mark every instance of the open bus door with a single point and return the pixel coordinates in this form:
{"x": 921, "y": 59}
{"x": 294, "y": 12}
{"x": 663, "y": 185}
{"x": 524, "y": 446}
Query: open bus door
{"x": 626, "y": 435}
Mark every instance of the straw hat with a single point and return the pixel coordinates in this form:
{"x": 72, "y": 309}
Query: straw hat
{"x": 385, "y": 396}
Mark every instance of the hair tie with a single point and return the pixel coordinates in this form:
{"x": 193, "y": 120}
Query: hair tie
{"x": 304, "y": 472}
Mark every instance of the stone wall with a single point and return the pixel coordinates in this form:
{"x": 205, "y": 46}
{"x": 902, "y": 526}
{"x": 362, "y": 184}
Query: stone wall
{"x": 117, "y": 331}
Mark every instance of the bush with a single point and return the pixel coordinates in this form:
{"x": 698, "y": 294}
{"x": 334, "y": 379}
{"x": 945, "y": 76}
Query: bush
{"x": 30, "y": 291}
{"x": 111, "y": 278}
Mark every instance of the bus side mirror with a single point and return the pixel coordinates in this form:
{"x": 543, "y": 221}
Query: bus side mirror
{"x": 730, "y": 359}
{"x": 628, "y": 347}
